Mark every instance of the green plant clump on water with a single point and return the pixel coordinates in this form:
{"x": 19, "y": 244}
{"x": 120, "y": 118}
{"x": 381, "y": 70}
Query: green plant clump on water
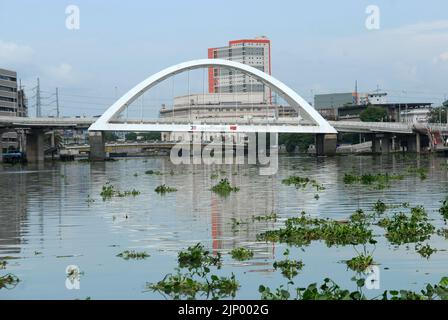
{"x": 162, "y": 189}
{"x": 197, "y": 257}
{"x": 224, "y": 187}
{"x": 300, "y": 231}
{"x": 401, "y": 228}
{"x": 289, "y": 268}
{"x": 268, "y": 217}
{"x": 155, "y": 172}
{"x": 3, "y": 264}
{"x": 241, "y": 254}
{"x": 198, "y": 281}
{"x": 421, "y": 172}
{"x": 109, "y": 191}
{"x": 329, "y": 290}
{"x": 360, "y": 263}
{"x": 126, "y": 255}
{"x": 379, "y": 207}
{"x": 378, "y": 181}
{"x": 425, "y": 250}
{"x": 444, "y": 209}
{"x": 8, "y": 281}
{"x": 443, "y": 233}
{"x": 183, "y": 286}
{"x": 302, "y": 182}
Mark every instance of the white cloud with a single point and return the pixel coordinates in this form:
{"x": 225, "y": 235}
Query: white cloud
{"x": 62, "y": 72}
{"x": 13, "y": 54}
{"x": 443, "y": 57}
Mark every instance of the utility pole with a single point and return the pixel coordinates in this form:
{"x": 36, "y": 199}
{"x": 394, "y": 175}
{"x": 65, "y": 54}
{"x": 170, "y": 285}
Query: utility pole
{"x": 57, "y": 103}
{"x": 38, "y": 102}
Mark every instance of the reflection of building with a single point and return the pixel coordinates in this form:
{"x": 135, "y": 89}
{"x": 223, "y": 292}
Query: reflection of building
{"x": 223, "y": 106}
{"x": 254, "y": 52}
{"x": 14, "y": 212}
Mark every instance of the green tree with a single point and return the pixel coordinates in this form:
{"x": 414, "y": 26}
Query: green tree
{"x": 293, "y": 140}
{"x": 438, "y": 115}
{"x": 151, "y": 136}
{"x": 131, "y": 136}
{"x": 110, "y": 136}
{"x": 373, "y": 114}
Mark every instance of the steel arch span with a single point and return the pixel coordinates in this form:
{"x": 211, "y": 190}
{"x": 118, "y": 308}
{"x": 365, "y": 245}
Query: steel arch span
{"x": 107, "y": 122}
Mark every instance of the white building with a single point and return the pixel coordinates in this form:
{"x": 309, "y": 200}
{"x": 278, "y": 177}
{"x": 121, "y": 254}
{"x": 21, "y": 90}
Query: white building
{"x": 254, "y": 52}
{"x": 415, "y": 115}
{"x": 226, "y": 107}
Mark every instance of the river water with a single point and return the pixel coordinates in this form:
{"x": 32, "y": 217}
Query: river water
{"x": 48, "y": 223}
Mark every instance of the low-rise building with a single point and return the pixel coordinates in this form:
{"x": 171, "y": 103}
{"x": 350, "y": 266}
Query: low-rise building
{"x": 224, "y": 106}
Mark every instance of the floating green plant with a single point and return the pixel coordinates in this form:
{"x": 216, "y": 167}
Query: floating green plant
{"x": 302, "y": 182}
{"x": 444, "y": 209}
{"x": 329, "y": 290}
{"x": 360, "y": 262}
{"x": 162, "y": 189}
{"x": 378, "y": 181}
{"x": 155, "y": 172}
{"x": 425, "y": 250}
{"x": 108, "y": 191}
{"x": 214, "y": 176}
{"x": 198, "y": 280}
{"x": 443, "y": 233}
{"x": 179, "y": 286}
{"x": 126, "y": 255}
{"x": 3, "y": 264}
{"x": 401, "y": 228}
{"x": 197, "y": 257}
{"x": 237, "y": 222}
{"x": 268, "y": 217}
{"x": 421, "y": 172}
{"x": 241, "y": 254}
{"x": 289, "y": 268}
{"x": 300, "y": 231}
{"x": 8, "y": 281}
{"x": 224, "y": 187}
{"x": 379, "y": 207}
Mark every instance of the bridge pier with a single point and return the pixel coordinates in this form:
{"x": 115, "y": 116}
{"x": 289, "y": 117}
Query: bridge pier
{"x": 35, "y": 145}
{"x": 97, "y": 146}
{"x": 382, "y": 143}
{"x": 326, "y": 144}
{"x": 414, "y": 143}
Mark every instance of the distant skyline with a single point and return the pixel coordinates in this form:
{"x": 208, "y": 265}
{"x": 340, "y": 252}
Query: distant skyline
{"x": 317, "y": 46}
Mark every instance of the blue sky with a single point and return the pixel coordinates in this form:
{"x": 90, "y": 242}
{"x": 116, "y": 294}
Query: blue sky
{"x": 317, "y": 46}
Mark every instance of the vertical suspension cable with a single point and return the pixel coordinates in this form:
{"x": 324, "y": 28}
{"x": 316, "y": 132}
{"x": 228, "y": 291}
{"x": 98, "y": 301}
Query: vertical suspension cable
{"x": 141, "y": 110}
{"x": 188, "y": 94}
{"x": 172, "y": 95}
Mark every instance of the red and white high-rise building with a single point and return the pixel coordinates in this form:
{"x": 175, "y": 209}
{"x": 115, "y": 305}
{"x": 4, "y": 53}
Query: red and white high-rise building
{"x": 254, "y": 52}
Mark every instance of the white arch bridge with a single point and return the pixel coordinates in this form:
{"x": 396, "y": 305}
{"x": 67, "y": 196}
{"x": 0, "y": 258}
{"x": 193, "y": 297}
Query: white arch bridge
{"x": 307, "y": 121}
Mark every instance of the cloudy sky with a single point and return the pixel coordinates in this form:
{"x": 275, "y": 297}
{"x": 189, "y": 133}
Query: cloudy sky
{"x": 317, "y": 46}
